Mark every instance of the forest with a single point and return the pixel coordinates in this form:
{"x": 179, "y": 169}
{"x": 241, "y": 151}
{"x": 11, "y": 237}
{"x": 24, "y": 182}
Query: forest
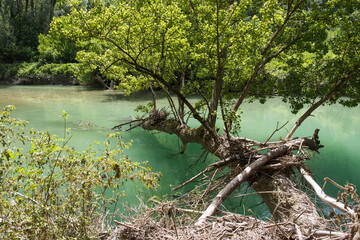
{"x": 304, "y": 52}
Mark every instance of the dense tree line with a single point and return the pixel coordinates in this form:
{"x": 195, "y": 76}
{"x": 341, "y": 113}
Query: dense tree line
{"x": 21, "y": 22}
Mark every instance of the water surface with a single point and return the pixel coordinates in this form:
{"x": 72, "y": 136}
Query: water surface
{"x": 42, "y": 106}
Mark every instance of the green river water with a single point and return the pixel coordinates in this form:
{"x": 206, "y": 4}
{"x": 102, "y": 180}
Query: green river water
{"x": 42, "y": 106}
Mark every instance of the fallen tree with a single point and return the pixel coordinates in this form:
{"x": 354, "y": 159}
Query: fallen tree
{"x": 305, "y": 52}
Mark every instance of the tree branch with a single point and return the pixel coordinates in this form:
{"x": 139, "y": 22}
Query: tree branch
{"x": 325, "y": 198}
{"x": 261, "y": 64}
{"x": 313, "y": 107}
{"x": 240, "y": 178}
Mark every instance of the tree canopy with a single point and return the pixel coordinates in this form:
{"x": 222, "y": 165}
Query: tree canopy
{"x": 299, "y": 50}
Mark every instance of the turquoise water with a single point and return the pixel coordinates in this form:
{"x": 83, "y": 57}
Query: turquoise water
{"x": 42, "y": 106}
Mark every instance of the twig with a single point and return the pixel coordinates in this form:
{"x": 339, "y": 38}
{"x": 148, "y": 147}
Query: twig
{"x": 277, "y": 225}
{"x": 188, "y": 211}
{"x": 211, "y": 167}
{"x": 277, "y": 129}
{"x": 250, "y": 211}
{"x": 273, "y": 213}
{"x": 131, "y": 128}
{"x": 26, "y": 197}
{"x": 127, "y": 226}
{"x": 193, "y": 178}
{"x": 225, "y": 161}
{"x": 261, "y": 192}
{"x": 326, "y": 179}
{"x": 127, "y": 123}
{"x": 211, "y": 180}
{"x": 329, "y": 233}
{"x": 299, "y": 215}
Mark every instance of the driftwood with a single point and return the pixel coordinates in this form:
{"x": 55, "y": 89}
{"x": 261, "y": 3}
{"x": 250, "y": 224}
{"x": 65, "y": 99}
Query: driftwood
{"x": 312, "y": 144}
{"x": 231, "y": 186}
{"x": 325, "y": 198}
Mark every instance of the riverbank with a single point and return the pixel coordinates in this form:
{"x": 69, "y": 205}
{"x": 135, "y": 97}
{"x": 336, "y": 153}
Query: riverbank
{"x": 58, "y": 80}
{"x": 38, "y": 74}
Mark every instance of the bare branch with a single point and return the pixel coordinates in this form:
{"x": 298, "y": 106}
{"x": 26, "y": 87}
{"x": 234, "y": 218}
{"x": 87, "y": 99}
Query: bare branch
{"x": 325, "y": 198}
{"x": 276, "y": 130}
{"x": 127, "y": 123}
{"x": 26, "y": 197}
{"x": 240, "y": 178}
{"x": 313, "y": 107}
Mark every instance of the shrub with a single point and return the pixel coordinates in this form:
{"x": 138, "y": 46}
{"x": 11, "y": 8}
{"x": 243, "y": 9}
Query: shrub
{"x": 51, "y": 191}
{"x": 38, "y": 70}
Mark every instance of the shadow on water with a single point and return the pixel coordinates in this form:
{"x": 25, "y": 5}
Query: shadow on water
{"x": 141, "y": 96}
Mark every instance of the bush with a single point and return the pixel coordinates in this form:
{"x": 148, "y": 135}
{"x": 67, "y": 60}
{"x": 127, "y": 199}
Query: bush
{"x": 37, "y": 70}
{"x": 51, "y": 191}
{"x": 55, "y": 48}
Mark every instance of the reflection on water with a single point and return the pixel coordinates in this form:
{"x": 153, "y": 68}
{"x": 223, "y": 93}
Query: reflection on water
{"x": 42, "y": 105}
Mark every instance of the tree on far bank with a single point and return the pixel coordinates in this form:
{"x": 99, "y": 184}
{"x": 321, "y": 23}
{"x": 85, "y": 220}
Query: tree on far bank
{"x": 21, "y": 22}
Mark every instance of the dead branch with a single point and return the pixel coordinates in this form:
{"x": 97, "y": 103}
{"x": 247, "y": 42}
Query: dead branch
{"x": 127, "y": 123}
{"x": 240, "y": 178}
{"x": 192, "y": 179}
{"x": 26, "y": 197}
{"x": 326, "y": 179}
{"x": 325, "y": 198}
{"x": 135, "y": 126}
{"x": 298, "y": 232}
{"x": 127, "y": 225}
{"x": 327, "y": 233}
{"x": 276, "y": 130}
{"x": 210, "y": 168}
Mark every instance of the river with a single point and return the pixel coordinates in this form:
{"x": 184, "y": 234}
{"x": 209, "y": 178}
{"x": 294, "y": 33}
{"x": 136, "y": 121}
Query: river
{"x": 42, "y": 106}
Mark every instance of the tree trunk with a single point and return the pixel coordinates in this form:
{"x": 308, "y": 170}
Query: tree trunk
{"x": 286, "y": 201}
{"x": 52, "y": 9}
{"x": 180, "y": 102}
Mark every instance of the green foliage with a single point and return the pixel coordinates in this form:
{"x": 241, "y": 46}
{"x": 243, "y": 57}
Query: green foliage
{"x": 235, "y": 118}
{"x": 145, "y": 109}
{"x": 38, "y": 70}
{"x": 20, "y": 23}
{"x": 149, "y": 22}
{"x": 51, "y": 191}
{"x": 275, "y": 47}
{"x": 54, "y": 48}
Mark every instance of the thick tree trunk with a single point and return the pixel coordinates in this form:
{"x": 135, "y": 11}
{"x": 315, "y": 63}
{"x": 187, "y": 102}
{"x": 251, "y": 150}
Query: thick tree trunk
{"x": 185, "y": 133}
{"x": 286, "y": 201}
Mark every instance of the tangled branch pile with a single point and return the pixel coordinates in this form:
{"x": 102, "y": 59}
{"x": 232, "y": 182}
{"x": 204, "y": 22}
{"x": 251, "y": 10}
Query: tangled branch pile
{"x": 300, "y": 220}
